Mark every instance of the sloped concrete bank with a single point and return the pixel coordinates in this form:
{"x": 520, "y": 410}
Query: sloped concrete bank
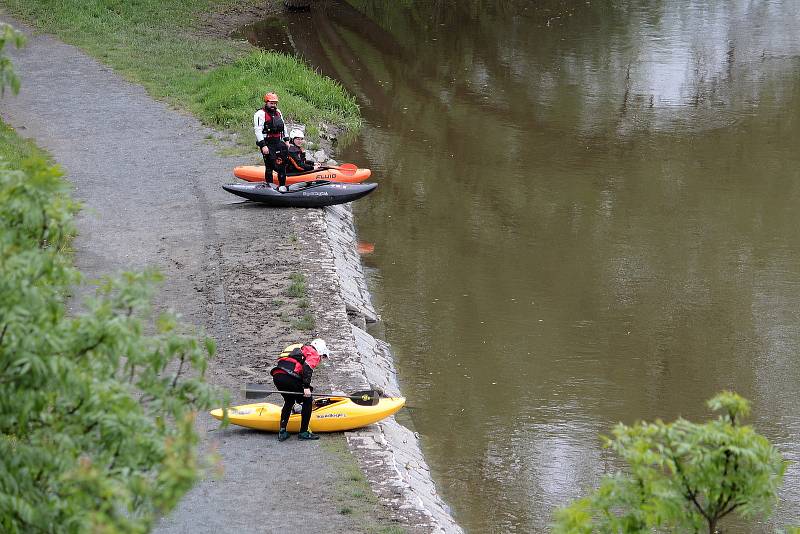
{"x": 388, "y": 453}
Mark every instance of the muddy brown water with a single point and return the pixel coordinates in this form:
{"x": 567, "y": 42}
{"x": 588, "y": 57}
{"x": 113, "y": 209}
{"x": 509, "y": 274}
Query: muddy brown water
{"x": 587, "y": 214}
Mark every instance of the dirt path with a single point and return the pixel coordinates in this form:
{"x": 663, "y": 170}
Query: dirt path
{"x": 150, "y": 184}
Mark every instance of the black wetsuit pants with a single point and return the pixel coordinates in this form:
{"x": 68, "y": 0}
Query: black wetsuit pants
{"x": 284, "y": 382}
{"x": 276, "y": 161}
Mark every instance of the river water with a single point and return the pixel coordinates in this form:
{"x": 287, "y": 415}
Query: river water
{"x": 588, "y": 213}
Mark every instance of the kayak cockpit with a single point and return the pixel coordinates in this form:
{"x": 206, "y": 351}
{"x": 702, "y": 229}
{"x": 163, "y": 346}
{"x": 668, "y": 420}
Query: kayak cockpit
{"x": 300, "y": 186}
{"x": 325, "y": 402}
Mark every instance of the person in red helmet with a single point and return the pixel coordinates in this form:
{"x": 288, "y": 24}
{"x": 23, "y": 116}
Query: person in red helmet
{"x": 293, "y": 373}
{"x": 269, "y": 128}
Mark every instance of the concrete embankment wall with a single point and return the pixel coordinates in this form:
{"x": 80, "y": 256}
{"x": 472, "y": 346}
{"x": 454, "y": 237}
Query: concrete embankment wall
{"x": 388, "y": 452}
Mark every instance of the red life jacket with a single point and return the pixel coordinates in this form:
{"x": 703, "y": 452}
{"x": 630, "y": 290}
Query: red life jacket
{"x": 292, "y": 364}
{"x": 273, "y": 125}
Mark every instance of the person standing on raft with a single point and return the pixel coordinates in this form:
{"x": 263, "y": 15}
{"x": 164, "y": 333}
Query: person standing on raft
{"x": 269, "y": 128}
{"x": 293, "y": 372}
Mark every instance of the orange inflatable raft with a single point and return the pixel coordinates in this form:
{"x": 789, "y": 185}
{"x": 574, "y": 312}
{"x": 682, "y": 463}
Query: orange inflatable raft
{"x": 346, "y": 172}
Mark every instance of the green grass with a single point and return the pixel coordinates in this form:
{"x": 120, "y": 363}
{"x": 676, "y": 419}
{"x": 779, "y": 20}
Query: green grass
{"x": 156, "y": 43}
{"x": 297, "y": 288}
{"x": 14, "y": 149}
{"x": 306, "y": 322}
{"x": 354, "y": 494}
{"x": 226, "y": 92}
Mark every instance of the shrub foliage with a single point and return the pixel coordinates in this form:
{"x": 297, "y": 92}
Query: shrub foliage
{"x": 683, "y": 476}
{"x": 96, "y": 408}
{"x": 96, "y": 417}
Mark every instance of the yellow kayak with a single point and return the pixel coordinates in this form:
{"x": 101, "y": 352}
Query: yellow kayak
{"x": 329, "y": 415}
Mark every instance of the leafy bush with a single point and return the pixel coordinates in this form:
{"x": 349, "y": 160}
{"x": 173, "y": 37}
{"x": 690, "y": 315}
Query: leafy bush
{"x": 683, "y": 476}
{"x": 7, "y": 76}
{"x": 96, "y": 418}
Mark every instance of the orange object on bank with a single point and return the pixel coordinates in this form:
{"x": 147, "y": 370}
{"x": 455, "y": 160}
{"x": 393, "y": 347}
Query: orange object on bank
{"x": 365, "y": 248}
{"x": 347, "y": 173}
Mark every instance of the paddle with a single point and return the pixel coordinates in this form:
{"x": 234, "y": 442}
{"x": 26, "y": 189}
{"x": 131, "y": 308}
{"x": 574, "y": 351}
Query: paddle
{"x": 364, "y": 398}
{"x": 344, "y": 168}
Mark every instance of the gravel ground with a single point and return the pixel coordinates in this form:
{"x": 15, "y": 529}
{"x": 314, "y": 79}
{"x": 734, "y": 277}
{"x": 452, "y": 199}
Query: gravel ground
{"x": 149, "y": 179}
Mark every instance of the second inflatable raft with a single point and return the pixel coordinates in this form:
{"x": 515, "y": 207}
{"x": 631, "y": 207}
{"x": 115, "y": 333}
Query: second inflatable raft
{"x": 302, "y": 195}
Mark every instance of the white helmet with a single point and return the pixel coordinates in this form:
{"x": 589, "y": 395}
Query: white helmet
{"x": 320, "y": 346}
{"x": 296, "y": 132}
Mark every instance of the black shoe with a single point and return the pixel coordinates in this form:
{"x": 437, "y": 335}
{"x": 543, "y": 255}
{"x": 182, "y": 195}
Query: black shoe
{"x": 307, "y": 435}
{"x": 283, "y": 435}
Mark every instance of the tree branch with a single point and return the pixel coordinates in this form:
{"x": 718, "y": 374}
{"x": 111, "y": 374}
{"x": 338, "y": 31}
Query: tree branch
{"x": 178, "y": 373}
{"x": 729, "y": 510}
{"x": 76, "y": 408}
{"x": 81, "y": 353}
{"x": 699, "y": 508}
{"x": 720, "y": 505}
{"x": 44, "y": 228}
{"x": 690, "y": 494}
{"x": 114, "y": 458}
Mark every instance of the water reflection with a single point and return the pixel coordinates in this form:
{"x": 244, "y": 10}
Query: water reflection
{"x": 587, "y": 214}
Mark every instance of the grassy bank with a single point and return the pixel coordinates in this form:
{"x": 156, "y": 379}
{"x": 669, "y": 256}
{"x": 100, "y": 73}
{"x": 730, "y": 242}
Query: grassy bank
{"x": 162, "y": 45}
{"x": 356, "y": 498}
{"x": 14, "y": 149}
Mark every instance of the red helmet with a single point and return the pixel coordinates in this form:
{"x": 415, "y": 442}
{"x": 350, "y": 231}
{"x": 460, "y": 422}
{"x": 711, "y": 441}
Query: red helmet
{"x": 270, "y": 97}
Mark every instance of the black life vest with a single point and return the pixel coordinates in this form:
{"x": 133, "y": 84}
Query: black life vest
{"x": 291, "y": 364}
{"x": 297, "y": 160}
{"x": 273, "y": 125}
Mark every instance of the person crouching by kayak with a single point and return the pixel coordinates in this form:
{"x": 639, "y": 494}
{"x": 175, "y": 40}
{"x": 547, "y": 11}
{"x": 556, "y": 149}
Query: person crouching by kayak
{"x": 269, "y": 128}
{"x": 293, "y": 372}
{"x": 297, "y": 163}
